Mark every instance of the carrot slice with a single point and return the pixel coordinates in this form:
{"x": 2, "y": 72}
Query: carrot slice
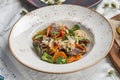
{"x": 70, "y": 59}
{"x": 59, "y": 54}
{"x": 62, "y": 33}
{"x": 74, "y": 58}
{"x": 48, "y": 30}
{"x": 79, "y": 46}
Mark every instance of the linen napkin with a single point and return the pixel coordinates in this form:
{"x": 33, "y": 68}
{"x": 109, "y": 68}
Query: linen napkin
{"x": 109, "y": 8}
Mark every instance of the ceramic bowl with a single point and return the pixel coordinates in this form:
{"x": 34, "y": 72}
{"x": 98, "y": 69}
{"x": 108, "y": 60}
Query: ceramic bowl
{"x": 98, "y": 29}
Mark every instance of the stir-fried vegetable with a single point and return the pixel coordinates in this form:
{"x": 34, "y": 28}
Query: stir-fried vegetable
{"x": 54, "y": 49}
{"x": 76, "y": 27}
{"x": 62, "y": 33}
{"x": 59, "y": 54}
{"x": 37, "y": 49}
{"x": 37, "y": 37}
{"x": 36, "y": 46}
{"x": 60, "y": 44}
{"x": 46, "y": 57}
{"x": 48, "y": 30}
{"x": 60, "y": 60}
{"x": 79, "y": 46}
{"x": 65, "y": 38}
{"x": 71, "y": 32}
{"x": 74, "y": 58}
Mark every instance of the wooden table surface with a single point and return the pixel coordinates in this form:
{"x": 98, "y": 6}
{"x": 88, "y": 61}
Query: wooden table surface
{"x": 114, "y": 54}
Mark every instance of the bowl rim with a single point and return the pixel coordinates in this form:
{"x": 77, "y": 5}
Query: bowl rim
{"x": 97, "y": 61}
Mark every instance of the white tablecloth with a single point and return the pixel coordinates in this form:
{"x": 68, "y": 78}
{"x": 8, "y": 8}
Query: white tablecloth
{"x": 11, "y": 69}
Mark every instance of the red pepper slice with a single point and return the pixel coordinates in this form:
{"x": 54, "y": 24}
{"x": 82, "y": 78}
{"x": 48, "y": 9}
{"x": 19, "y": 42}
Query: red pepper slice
{"x": 79, "y": 46}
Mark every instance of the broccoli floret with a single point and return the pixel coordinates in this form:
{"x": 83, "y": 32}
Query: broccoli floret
{"x": 71, "y": 32}
{"x": 60, "y": 60}
{"x": 46, "y": 57}
{"x": 76, "y": 27}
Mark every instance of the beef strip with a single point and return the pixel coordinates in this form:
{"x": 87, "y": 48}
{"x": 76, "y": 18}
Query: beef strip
{"x": 76, "y": 51}
{"x": 55, "y": 28}
{"x": 42, "y": 47}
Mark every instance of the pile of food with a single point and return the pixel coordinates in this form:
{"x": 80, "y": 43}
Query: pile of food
{"x": 61, "y": 44}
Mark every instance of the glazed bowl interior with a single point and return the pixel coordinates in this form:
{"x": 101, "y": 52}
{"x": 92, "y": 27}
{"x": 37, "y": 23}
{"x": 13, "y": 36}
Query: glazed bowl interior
{"x": 96, "y": 26}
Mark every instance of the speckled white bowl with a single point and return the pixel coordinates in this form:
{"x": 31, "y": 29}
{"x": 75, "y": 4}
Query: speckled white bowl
{"x": 20, "y": 39}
